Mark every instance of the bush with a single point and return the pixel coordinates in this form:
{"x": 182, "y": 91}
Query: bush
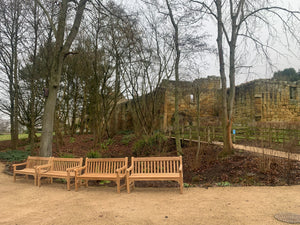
{"x": 66, "y": 155}
{"x": 14, "y": 155}
{"x": 72, "y": 140}
{"x": 127, "y": 139}
{"x": 93, "y": 154}
{"x": 107, "y": 143}
{"x": 150, "y": 145}
{"x": 125, "y": 132}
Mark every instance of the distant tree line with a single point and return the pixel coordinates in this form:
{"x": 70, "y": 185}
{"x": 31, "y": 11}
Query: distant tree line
{"x": 288, "y": 74}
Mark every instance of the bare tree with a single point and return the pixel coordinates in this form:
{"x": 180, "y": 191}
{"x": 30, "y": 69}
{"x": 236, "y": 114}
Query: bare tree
{"x": 63, "y": 43}
{"x": 240, "y": 19}
{"x": 11, "y": 29}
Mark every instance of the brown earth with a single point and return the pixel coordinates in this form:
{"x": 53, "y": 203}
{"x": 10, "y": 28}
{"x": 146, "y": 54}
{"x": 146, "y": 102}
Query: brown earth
{"x": 240, "y": 169}
{"x": 24, "y": 203}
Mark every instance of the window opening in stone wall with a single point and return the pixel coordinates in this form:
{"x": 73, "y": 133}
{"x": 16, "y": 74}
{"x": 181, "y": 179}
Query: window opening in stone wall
{"x": 293, "y": 92}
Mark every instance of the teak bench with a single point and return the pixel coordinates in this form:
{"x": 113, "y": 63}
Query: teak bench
{"x": 155, "y": 168}
{"x": 30, "y": 167}
{"x": 113, "y": 169}
{"x": 59, "y": 168}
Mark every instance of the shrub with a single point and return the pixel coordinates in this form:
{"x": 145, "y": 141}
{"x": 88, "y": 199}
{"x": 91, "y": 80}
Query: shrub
{"x": 72, "y": 140}
{"x": 66, "y": 155}
{"x": 149, "y": 145}
{"x": 125, "y": 132}
{"x": 106, "y": 143}
{"x": 93, "y": 154}
{"x": 127, "y": 139}
{"x": 14, "y": 155}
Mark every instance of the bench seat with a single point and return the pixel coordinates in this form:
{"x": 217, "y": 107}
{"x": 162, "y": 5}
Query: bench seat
{"x": 151, "y": 176}
{"x": 102, "y": 175}
{"x": 57, "y": 174}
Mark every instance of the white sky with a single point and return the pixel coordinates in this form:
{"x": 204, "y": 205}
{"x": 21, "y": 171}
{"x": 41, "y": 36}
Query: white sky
{"x": 261, "y": 69}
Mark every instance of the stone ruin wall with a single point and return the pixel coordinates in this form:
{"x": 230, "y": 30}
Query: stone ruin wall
{"x": 207, "y": 88}
{"x": 259, "y": 100}
{"x": 267, "y": 101}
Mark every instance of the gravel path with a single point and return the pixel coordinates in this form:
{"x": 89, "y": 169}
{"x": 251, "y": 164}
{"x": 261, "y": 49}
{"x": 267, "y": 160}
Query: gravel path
{"x": 23, "y": 203}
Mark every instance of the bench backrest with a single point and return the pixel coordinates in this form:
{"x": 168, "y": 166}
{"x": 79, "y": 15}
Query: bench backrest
{"x": 62, "y": 164}
{"x": 156, "y": 164}
{"x": 33, "y": 161}
{"x": 105, "y": 165}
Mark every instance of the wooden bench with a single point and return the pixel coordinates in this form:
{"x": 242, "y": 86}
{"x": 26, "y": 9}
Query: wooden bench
{"x": 155, "y": 168}
{"x": 30, "y": 167}
{"x": 59, "y": 168}
{"x": 113, "y": 169}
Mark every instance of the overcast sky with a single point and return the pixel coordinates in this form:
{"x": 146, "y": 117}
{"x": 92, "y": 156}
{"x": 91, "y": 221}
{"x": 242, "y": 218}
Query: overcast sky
{"x": 261, "y": 69}
{"x": 255, "y": 70}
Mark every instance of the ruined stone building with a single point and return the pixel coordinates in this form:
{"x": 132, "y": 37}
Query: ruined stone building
{"x": 267, "y": 100}
{"x": 259, "y": 100}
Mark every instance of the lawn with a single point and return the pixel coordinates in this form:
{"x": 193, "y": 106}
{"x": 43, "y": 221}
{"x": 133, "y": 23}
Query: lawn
{"x": 6, "y": 137}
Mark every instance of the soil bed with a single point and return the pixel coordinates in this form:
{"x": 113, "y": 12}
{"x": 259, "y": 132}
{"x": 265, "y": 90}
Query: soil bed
{"x": 240, "y": 169}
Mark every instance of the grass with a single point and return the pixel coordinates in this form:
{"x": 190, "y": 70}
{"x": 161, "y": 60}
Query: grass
{"x": 6, "y": 137}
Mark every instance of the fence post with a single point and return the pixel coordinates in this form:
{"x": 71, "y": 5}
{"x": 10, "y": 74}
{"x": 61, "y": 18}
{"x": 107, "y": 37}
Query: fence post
{"x": 233, "y": 135}
{"x": 190, "y": 134}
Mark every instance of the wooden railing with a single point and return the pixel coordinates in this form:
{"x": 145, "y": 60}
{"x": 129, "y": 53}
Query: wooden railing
{"x": 280, "y": 138}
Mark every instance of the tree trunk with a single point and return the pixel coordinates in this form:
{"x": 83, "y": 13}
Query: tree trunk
{"x": 198, "y": 122}
{"x": 83, "y": 111}
{"x": 226, "y": 123}
{"x": 177, "y": 59}
{"x": 48, "y": 122}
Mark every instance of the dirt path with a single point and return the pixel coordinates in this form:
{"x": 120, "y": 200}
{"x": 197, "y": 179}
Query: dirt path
{"x": 23, "y": 203}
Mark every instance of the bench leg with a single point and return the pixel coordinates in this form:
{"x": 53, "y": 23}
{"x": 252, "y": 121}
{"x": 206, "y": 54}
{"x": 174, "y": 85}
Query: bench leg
{"x": 26, "y": 177}
{"x": 68, "y": 183}
{"x": 118, "y": 185}
{"x": 76, "y": 183}
{"x": 39, "y": 181}
{"x": 181, "y": 186}
{"x": 15, "y": 177}
{"x": 128, "y": 187}
{"x": 86, "y": 183}
{"x": 128, "y": 183}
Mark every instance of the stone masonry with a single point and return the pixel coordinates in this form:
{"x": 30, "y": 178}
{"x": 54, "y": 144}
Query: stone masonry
{"x": 259, "y": 100}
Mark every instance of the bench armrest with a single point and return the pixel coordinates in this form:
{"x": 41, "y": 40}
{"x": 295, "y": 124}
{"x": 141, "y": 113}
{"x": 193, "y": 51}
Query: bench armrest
{"x": 73, "y": 168}
{"x": 19, "y": 164}
{"x": 180, "y": 168}
{"x": 128, "y": 171}
{"x": 121, "y": 170}
{"x": 78, "y": 170}
{"x": 46, "y": 168}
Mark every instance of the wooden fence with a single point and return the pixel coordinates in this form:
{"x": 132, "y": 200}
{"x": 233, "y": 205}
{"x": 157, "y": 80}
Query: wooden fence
{"x": 282, "y": 138}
